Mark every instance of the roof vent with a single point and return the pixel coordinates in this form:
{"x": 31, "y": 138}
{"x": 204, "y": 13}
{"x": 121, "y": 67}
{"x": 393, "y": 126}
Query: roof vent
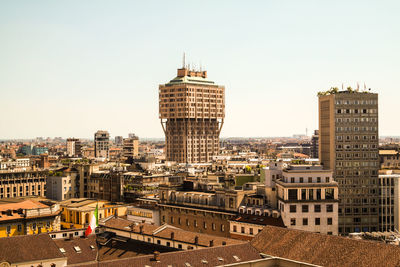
{"x": 204, "y": 261}
{"x": 220, "y": 259}
{"x": 187, "y": 264}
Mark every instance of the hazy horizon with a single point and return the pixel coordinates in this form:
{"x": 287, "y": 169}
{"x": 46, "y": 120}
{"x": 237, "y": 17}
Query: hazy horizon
{"x": 70, "y": 68}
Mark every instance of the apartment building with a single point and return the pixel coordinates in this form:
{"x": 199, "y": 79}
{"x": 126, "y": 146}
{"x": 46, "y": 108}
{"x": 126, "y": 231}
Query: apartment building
{"x": 192, "y": 111}
{"x": 308, "y": 198}
{"x": 15, "y": 164}
{"x": 62, "y": 185}
{"x": 74, "y": 148}
{"x": 102, "y": 144}
{"x": 348, "y": 145}
{"x": 200, "y": 211}
{"x": 389, "y": 159}
{"x": 389, "y": 201}
{"x": 22, "y": 183}
{"x": 130, "y": 147}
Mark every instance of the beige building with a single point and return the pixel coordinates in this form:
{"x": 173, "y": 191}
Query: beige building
{"x": 62, "y": 185}
{"x": 22, "y": 183}
{"x": 192, "y": 111}
{"x": 74, "y": 148}
{"x": 348, "y": 145}
{"x": 308, "y": 199}
{"x": 102, "y": 144}
{"x": 389, "y": 201}
{"x": 130, "y": 147}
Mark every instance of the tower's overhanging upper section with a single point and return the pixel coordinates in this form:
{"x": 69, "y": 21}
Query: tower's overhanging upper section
{"x": 191, "y": 95}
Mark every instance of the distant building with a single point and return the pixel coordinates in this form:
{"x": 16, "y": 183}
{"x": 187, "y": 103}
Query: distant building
{"x": 74, "y": 148}
{"x": 193, "y": 108}
{"x": 14, "y": 164}
{"x": 33, "y": 150}
{"x": 144, "y": 213}
{"x": 131, "y": 147}
{"x": 314, "y": 144}
{"x": 118, "y": 140}
{"x": 102, "y": 144}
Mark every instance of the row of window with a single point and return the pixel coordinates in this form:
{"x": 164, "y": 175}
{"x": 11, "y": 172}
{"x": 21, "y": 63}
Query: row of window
{"x": 195, "y": 223}
{"x": 305, "y": 208}
{"x": 357, "y": 111}
{"x": 356, "y": 102}
{"x": 309, "y": 180}
{"x": 305, "y": 221}
{"x": 243, "y": 231}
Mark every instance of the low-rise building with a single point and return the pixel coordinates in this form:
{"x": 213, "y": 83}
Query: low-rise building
{"x": 77, "y": 212}
{"x": 28, "y": 217}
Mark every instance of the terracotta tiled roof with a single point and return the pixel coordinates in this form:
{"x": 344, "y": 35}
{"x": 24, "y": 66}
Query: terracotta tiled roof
{"x": 26, "y": 204}
{"x": 28, "y": 248}
{"x": 200, "y": 257}
{"x": 325, "y": 250}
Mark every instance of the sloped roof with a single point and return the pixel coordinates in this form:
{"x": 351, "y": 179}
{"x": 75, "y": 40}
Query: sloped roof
{"x": 27, "y": 248}
{"x": 325, "y": 250}
{"x": 214, "y": 256}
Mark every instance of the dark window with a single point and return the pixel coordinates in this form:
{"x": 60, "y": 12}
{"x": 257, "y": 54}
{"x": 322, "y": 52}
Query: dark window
{"x": 317, "y": 221}
{"x": 329, "y": 208}
{"x": 293, "y": 221}
{"x": 329, "y": 221}
{"x": 317, "y": 208}
{"x": 292, "y": 208}
{"x": 292, "y": 194}
{"x": 305, "y": 221}
{"x": 304, "y": 208}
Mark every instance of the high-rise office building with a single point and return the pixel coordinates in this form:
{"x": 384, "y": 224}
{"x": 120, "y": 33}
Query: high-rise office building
{"x": 74, "y": 147}
{"x": 192, "y": 111}
{"x": 102, "y": 144}
{"x": 348, "y": 145}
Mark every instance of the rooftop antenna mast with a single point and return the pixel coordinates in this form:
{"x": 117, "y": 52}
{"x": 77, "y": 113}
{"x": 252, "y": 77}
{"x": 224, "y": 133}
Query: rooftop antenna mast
{"x": 184, "y": 61}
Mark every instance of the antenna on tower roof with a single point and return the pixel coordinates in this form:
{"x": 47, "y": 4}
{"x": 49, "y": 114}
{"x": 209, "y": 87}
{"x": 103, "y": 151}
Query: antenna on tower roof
{"x": 184, "y": 60}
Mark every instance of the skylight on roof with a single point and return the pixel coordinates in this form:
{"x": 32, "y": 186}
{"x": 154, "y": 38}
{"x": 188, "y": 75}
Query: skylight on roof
{"x": 187, "y": 264}
{"x": 236, "y": 258}
{"x": 62, "y": 250}
{"x": 204, "y": 261}
{"x": 92, "y": 247}
{"x": 220, "y": 259}
{"x": 77, "y": 249}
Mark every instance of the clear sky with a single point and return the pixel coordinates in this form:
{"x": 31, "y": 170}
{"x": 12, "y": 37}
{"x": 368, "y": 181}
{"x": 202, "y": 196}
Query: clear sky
{"x": 69, "y": 68}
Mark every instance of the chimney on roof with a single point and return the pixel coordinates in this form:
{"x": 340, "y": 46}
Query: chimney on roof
{"x": 223, "y": 243}
{"x": 172, "y": 235}
{"x": 141, "y": 229}
{"x": 196, "y": 240}
{"x": 71, "y": 236}
{"x": 156, "y": 256}
{"x": 212, "y": 243}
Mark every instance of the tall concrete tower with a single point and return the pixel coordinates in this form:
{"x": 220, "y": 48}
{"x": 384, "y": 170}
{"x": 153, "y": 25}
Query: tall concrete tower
{"x": 348, "y": 145}
{"x": 192, "y": 111}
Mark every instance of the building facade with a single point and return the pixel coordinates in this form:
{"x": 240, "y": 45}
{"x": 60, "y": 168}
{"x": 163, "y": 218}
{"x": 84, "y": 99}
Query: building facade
{"x": 389, "y": 201}
{"x": 348, "y": 144}
{"x": 192, "y": 111}
{"x": 130, "y": 147}
{"x": 102, "y": 144}
{"x": 308, "y": 199}
{"x": 28, "y": 217}
{"x": 22, "y": 183}
{"x": 74, "y": 148}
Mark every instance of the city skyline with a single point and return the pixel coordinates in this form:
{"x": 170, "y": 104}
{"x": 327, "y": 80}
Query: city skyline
{"x": 88, "y": 69}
